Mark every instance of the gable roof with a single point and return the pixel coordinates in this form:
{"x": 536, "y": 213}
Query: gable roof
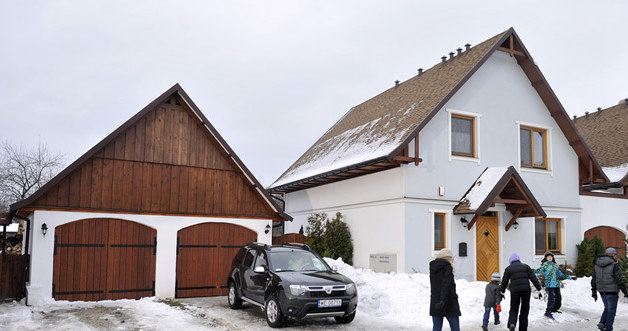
{"x": 499, "y": 185}
{"x": 178, "y": 93}
{"x": 605, "y": 132}
{"x": 376, "y": 132}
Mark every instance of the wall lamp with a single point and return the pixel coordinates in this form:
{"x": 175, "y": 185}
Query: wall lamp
{"x": 464, "y": 222}
{"x": 44, "y": 229}
{"x": 267, "y": 229}
{"x": 515, "y": 225}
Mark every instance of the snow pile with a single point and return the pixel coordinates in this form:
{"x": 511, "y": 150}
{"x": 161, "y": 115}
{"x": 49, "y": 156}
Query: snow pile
{"x": 615, "y": 174}
{"x": 404, "y": 299}
{"x": 483, "y": 186}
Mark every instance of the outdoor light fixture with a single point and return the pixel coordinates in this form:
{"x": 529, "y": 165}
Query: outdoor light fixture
{"x": 267, "y": 229}
{"x": 515, "y": 224}
{"x": 44, "y": 229}
{"x": 464, "y": 222}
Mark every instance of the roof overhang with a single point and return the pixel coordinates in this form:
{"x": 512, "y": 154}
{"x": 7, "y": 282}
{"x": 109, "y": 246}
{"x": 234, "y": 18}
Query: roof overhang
{"x": 499, "y": 185}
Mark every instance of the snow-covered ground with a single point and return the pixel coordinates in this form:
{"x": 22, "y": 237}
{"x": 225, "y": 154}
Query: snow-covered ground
{"x": 387, "y": 302}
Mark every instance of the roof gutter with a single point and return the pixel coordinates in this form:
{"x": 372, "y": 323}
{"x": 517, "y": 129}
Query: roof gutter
{"x": 25, "y": 249}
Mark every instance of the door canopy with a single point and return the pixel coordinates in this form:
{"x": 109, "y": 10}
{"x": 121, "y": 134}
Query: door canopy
{"x": 499, "y": 185}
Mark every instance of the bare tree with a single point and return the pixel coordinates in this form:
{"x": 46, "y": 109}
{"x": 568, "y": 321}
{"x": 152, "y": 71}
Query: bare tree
{"x": 23, "y": 171}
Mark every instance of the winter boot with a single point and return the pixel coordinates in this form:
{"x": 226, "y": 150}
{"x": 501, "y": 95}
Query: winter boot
{"x": 549, "y": 315}
{"x": 484, "y": 328}
{"x": 511, "y": 327}
{"x": 496, "y": 322}
{"x": 601, "y": 326}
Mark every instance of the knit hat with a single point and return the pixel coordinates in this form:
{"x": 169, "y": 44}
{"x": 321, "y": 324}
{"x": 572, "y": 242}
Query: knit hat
{"x": 496, "y": 276}
{"x": 611, "y": 251}
{"x": 445, "y": 254}
{"x": 548, "y": 253}
{"x": 514, "y": 257}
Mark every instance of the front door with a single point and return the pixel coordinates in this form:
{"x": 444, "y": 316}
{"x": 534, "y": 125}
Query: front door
{"x": 487, "y": 247}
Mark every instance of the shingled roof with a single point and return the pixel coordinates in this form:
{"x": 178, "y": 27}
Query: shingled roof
{"x": 372, "y": 135}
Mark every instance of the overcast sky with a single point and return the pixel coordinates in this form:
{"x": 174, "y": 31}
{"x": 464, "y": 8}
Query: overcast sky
{"x": 273, "y": 76}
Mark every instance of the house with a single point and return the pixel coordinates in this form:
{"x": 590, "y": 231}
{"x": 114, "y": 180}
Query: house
{"x": 476, "y": 154}
{"x": 158, "y": 207}
{"x": 605, "y": 206}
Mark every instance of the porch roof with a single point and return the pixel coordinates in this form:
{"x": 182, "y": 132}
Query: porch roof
{"x": 499, "y": 185}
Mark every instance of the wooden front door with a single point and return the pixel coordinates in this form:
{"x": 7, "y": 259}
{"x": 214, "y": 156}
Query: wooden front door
{"x": 204, "y": 255}
{"x": 103, "y": 259}
{"x": 487, "y": 247}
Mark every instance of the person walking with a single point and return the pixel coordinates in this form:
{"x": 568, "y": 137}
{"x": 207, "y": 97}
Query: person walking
{"x": 443, "y": 297}
{"x": 608, "y": 280}
{"x": 492, "y": 300}
{"x": 552, "y": 275}
{"x": 519, "y": 275}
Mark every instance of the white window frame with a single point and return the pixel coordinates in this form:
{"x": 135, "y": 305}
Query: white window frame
{"x": 476, "y": 133}
{"x": 550, "y": 159}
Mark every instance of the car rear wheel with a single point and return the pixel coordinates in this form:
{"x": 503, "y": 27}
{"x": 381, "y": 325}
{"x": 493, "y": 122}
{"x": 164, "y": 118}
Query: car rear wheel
{"x": 232, "y": 297}
{"x": 274, "y": 317}
{"x": 345, "y": 319}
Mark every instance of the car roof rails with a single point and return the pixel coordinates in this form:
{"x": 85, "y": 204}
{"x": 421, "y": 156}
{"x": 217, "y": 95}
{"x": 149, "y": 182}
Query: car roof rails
{"x": 265, "y": 246}
{"x": 304, "y": 246}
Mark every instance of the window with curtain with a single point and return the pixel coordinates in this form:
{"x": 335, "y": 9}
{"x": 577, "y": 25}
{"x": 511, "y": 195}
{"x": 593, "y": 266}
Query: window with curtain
{"x": 533, "y": 147}
{"x": 439, "y": 231}
{"x": 547, "y": 235}
{"x": 462, "y": 135}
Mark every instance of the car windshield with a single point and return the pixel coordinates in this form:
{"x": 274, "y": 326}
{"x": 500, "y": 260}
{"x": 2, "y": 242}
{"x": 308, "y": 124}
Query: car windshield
{"x": 296, "y": 260}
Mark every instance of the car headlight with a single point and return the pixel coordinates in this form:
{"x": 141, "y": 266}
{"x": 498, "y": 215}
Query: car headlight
{"x": 298, "y": 289}
{"x": 350, "y": 289}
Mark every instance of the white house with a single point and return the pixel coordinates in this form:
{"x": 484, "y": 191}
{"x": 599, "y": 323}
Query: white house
{"x": 475, "y": 154}
{"x": 605, "y": 206}
{"x": 157, "y": 208}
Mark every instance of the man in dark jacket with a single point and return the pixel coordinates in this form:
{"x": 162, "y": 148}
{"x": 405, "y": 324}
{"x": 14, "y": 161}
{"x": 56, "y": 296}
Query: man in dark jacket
{"x": 519, "y": 275}
{"x": 608, "y": 280}
{"x": 443, "y": 298}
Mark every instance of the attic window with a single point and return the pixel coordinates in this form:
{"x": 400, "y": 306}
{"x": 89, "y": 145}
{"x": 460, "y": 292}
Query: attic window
{"x": 533, "y": 143}
{"x": 462, "y": 135}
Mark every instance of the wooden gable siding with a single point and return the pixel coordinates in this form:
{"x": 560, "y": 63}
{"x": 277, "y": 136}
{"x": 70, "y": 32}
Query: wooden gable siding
{"x": 166, "y": 163}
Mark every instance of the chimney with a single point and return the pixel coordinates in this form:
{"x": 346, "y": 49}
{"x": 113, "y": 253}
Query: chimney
{"x": 467, "y": 47}
{"x": 396, "y": 83}
{"x": 444, "y": 58}
{"x": 624, "y": 101}
{"x": 599, "y": 109}
{"x": 586, "y": 114}
{"x": 420, "y": 71}
{"x": 451, "y": 56}
{"x": 459, "y": 51}
{"x": 574, "y": 117}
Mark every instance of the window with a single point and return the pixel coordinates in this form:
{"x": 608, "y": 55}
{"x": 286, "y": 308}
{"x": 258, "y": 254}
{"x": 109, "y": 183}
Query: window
{"x": 533, "y": 147}
{"x": 462, "y": 135}
{"x": 248, "y": 259}
{"x": 439, "y": 231}
{"x": 547, "y": 235}
{"x": 261, "y": 260}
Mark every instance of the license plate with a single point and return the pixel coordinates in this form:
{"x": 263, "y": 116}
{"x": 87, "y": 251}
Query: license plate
{"x": 329, "y": 303}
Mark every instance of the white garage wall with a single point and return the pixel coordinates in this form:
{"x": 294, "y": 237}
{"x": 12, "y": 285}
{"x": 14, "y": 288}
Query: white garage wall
{"x": 42, "y": 248}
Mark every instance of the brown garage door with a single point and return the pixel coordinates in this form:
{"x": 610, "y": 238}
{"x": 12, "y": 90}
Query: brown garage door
{"x": 610, "y": 237}
{"x": 204, "y": 255}
{"x": 104, "y": 259}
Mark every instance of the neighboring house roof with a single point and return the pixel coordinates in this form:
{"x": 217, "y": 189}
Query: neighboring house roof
{"x": 106, "y": 149}
{"x": 373, "y": 135}
{"x": 606, "y": 133}
{"x": 499, "y": 185}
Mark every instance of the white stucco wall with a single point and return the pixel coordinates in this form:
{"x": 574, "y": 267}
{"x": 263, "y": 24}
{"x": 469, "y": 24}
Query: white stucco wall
{"x": 598, "y": 211}
{"x": 42, "y": 248}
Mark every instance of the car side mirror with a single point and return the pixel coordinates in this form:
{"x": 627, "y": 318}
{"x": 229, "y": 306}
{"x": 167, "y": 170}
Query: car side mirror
{"x": 260, "y": 269}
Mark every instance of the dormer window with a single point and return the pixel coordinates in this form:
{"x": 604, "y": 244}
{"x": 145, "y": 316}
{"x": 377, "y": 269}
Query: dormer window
{"x": 463, "y": 135}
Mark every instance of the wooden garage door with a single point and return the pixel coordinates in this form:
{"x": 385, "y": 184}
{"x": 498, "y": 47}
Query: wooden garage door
{"x": 104, "y": 259}
{"x": 204, "y": 255}
{"x": 610, "y": 237}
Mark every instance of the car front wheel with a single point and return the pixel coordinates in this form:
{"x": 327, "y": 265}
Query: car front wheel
{"x": 232, "y": 297}
{"x": 345, "y": 319}
{"x": 274, "y": 317}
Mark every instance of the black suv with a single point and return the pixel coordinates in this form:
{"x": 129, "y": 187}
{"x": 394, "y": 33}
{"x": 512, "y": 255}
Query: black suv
{"x": 290, "y": 281}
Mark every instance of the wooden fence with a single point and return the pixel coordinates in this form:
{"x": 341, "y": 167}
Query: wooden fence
{"x": 12, "y": 276}
{"x": 289, "y": 238}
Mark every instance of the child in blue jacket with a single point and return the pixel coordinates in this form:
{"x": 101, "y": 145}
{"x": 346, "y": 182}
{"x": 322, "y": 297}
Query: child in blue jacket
{"x": 552, "y": 274}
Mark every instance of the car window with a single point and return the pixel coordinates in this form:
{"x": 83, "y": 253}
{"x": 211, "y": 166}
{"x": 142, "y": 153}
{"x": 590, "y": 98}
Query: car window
{"x": 248, "y": 259}
{"x": 296, "y": 261}
{"x": 261, "y": 260}
{"x": 240, "y": 256}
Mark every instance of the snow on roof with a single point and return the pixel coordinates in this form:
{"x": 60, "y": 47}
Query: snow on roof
{"x": 366, "y": 144}
{"x": 615, "y": 174}
{"x": 483, "y": 186}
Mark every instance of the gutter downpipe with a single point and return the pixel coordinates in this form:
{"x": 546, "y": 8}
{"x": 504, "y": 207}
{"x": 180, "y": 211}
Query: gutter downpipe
{"x": 25, "y": 251}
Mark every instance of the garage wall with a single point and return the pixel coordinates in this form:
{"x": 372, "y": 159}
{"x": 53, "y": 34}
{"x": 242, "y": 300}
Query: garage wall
{"x": 42, "y": 248}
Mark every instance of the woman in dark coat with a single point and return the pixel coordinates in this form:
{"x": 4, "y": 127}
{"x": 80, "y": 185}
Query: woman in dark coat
{"x": 443, "y": 298}
{"x": 519, "y": 275}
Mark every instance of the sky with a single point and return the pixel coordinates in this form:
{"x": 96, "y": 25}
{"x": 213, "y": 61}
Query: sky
{"x": 272, "y": 76}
